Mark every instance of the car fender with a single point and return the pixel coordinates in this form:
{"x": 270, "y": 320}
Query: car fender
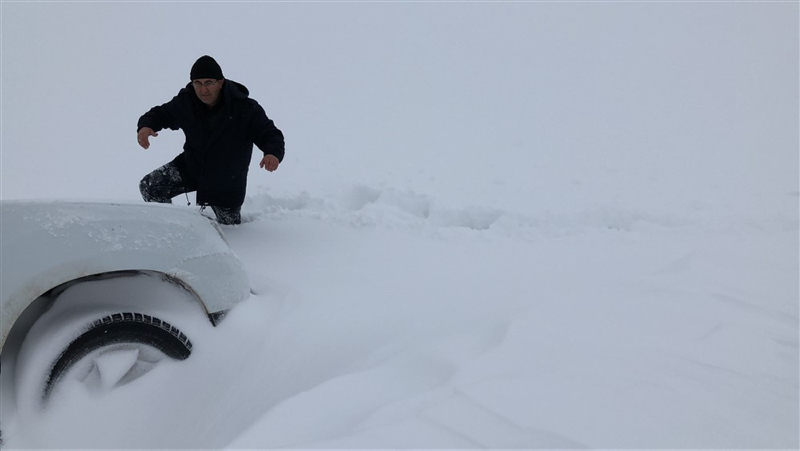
{"x": 46, "y": 244}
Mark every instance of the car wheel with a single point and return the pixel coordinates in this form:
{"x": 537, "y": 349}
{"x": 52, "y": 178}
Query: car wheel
{"x": 118, "y": 349}
{"x": 103, "y": 334}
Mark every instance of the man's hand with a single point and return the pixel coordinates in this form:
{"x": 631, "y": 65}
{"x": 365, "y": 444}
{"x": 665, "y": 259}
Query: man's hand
{"x": 269, "y": 162}
{"x": 144, "y": 136}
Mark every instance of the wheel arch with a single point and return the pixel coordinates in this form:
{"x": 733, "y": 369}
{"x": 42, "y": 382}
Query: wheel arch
{"x": 20, "y": 326}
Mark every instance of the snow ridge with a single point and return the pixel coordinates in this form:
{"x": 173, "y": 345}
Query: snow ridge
{"x": 362, "y": 205}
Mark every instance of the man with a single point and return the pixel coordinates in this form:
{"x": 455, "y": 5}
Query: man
{"x": 221, "y": 124}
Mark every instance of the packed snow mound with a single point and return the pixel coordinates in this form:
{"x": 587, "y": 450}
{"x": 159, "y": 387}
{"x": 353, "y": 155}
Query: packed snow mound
{"x": 605, "y": 329}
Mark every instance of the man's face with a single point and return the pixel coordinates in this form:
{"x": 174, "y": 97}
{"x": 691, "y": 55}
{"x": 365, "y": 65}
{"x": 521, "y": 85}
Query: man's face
{"x": 207, "y": 90}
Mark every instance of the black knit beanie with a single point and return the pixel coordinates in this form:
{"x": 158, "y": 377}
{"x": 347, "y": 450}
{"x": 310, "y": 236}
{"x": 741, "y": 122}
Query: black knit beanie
{"x": 206, "y": 67}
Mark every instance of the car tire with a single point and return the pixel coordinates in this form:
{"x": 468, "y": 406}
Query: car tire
{"x": 121, "y": 328}
{"x": 90, "y": 331}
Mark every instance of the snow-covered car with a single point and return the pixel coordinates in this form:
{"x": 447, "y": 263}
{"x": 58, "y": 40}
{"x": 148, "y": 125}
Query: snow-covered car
{"x": 80, "y": 281}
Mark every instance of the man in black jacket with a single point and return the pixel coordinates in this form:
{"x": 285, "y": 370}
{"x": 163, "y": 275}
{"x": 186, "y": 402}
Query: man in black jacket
{"x": 221, "y": 124}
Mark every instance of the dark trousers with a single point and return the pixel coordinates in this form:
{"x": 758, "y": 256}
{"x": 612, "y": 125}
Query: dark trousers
{"x": 167, "y": 182}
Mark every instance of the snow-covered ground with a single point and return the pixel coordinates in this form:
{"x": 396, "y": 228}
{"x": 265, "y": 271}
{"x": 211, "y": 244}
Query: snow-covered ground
{"x": 498, "y": 225}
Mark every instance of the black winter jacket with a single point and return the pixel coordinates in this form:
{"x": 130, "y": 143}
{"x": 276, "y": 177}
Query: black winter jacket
{"x": 219, "y": 141}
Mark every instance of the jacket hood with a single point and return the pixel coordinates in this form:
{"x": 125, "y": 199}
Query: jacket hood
{"x": 236, "y": 89}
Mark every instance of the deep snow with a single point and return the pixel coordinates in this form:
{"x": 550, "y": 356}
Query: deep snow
{"x": 497, "y": 225}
